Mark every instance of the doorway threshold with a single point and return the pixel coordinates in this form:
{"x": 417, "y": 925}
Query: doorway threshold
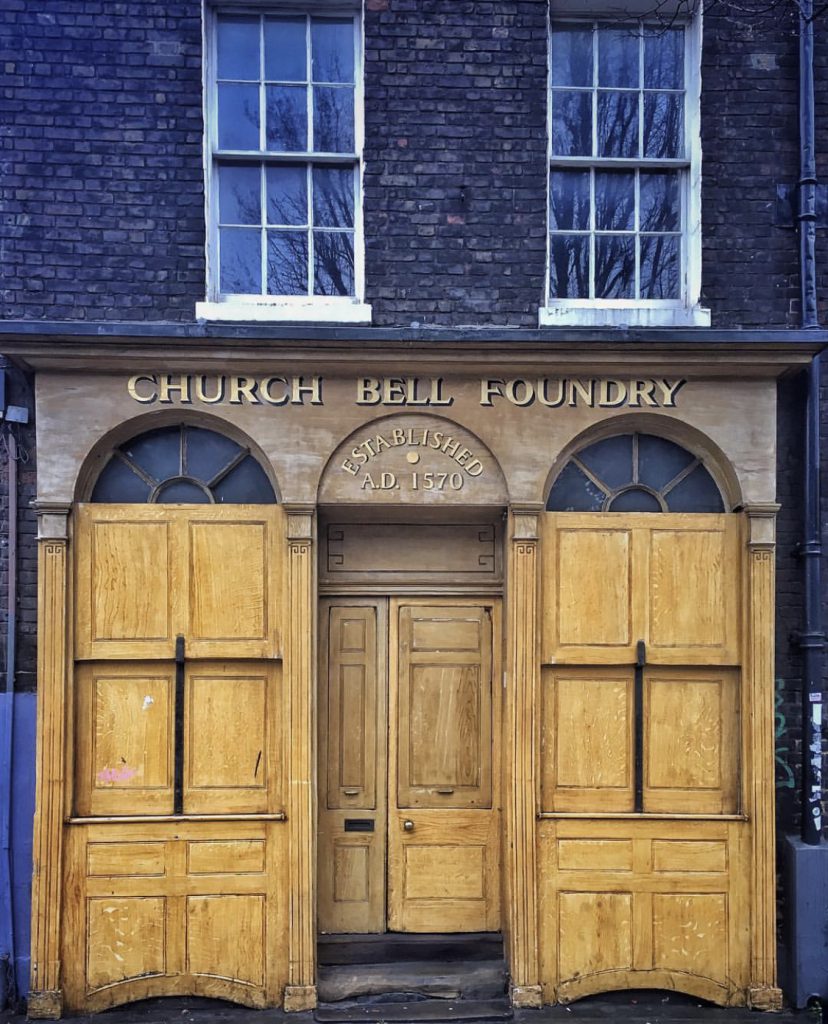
{"x": 407, "y": 977}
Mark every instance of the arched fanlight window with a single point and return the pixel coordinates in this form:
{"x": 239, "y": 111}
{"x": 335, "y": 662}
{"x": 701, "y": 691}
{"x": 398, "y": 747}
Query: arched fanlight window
{"x": 634, "y": 473}
{"x": 183, "y": 465}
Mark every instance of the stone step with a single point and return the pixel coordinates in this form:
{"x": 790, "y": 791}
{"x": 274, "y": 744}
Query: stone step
{"x": 469, "y": 979}
{"x": 431, "y": 1011}
{"x": 390, "y": 947}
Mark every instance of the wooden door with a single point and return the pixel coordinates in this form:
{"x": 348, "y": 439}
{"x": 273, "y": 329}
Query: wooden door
{"x": 443, "y": 821}
{"x": 352, "y": 765}
{"x": 175, "y": 847}
{"x": 643, "y": 845}
{"x": 408, "y": 813}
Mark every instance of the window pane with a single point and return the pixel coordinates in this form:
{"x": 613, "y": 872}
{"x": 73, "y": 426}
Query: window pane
{"x": 635, "y": 500}
{"x": 246, "y": 484}
{"x": 287, "y": 194}
{"x": 663, "y": 58}
{"x": 571, "y": 58}
{"x": 659, "y": 202}
{"x": 618, "y": 57}
{"x": 237, "y": 48}
{"x": 615, "y": 267}
{"x": 573, "y": 491}
{"x": 182, "y": 492}
{"x": 240, "y": 199}
{"x": 663, "y": 124}
{"x": 571, "y": 123}
{"x": 696, "y": 493}
{"x": 117, "y": 482}
{"x": 333, "y": 120}
{"x": 569, "y": 267}
{"x": 659, "y": 266}
{"x": 158, "y": 452}
{"x": 206, "y": 452}
{"x": 570, "y": 200}
{"x": 333, "y": 197}
{"x": 287, "y": 118}
{"x": 615, "y": 200}
{"x": 332, "y": 49}
{"x": 610, "y": 460}
{"x": 240, "y": 263}
{"x": 660, "y": 460}
{"x": 285, "y": 50}
{"x": 617, "y": 124}
{"x": 287, "y": 263}
{"x": 238, "y": 116}
{"x": 333, "y": 263}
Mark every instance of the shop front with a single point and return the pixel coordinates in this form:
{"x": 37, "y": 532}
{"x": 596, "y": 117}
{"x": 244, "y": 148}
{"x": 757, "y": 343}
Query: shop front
{"x": 440, "y": 639}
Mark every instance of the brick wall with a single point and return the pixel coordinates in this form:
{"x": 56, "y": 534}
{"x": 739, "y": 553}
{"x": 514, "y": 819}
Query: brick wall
{"x": 102, "y": 177}
{"x": 101, "y": 190}
{"x": 455, "y": 161}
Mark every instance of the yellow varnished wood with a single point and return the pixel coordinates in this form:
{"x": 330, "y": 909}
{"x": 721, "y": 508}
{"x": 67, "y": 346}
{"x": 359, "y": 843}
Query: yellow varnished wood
{"x": 614, "y": 579}
{"x": 520, "y": 708}
{"x": 175, "y": 908}
{"x": 443, "y": 871}
{"x": 630, "y": 901}
{"x": 148, "y": 573}
{"x": 352, "y": 764}
{"x": 195, "y": 904}
{"x": 46, "y": 996}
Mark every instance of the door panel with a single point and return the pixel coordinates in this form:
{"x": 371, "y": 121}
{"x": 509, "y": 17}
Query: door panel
{"x": 352, "y": 759}
{"x": 443, "y": 829}
{"x": 124, "y": 724}
{"x": 147, "y": 574}
{"x": 587, "y": 739}
{"x": 231, "y": 729}
{"x": 444, "y": 706}
{"x": 127, "y": 562}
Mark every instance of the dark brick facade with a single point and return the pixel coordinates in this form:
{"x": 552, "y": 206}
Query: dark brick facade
{"x": 102, "y": 191}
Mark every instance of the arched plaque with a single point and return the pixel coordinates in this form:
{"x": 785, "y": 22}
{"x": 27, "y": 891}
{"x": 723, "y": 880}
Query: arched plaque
{"x": 412, "y": 460}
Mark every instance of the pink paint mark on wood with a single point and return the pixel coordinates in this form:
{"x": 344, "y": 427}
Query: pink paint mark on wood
{"x": 112, "y": 775}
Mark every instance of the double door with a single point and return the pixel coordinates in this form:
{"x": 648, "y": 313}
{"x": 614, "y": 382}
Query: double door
{"x": 409, "y": 836}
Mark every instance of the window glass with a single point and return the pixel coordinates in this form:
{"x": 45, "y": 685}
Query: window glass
{"x": 184, "y": 465}
{"x": 617, "y": 95}
{"x": 634, "y": 473}
{"x": 285, "y": 90}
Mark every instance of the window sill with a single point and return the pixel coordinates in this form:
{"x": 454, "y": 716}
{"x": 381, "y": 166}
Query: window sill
{"x": 566, "y": 315}
{"x": 331, "y": 311}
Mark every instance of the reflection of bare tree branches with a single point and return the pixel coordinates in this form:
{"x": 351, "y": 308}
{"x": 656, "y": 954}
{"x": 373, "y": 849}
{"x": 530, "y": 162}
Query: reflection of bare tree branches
{"x": 758, "y": 14}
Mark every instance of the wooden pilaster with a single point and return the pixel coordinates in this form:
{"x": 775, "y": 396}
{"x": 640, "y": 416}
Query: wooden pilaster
{"x": 763, "y": 993}
{"x": 300, "y": 992}
{"x": 45, "y": 997}
{"x": 522, "y": 646}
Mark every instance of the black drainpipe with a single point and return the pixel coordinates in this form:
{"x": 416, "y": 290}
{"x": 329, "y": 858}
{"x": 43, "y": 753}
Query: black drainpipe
{"x": 812, "y": 639}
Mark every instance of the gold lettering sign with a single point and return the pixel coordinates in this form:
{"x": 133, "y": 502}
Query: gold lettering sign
{"x": 407, "y": 392}
{"x": 413, "y": 458}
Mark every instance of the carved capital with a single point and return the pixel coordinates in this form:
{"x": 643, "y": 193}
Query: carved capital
{"x": 52, "y": 520}
{"x": 299, "y": 997}
{"x": 300, "y": 523}
{"x": 762, "y": 524}
{"x": 44, "y": 1005}
{"x": 526, "y": 521}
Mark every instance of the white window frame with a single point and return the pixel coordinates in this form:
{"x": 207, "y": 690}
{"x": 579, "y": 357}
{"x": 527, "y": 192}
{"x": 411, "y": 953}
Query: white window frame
{"x": 350, "y": 309}
{"x": 685, "y": 311}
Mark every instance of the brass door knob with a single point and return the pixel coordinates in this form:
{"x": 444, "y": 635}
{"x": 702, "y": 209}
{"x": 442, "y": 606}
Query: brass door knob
{"x": 408, "y": 825}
